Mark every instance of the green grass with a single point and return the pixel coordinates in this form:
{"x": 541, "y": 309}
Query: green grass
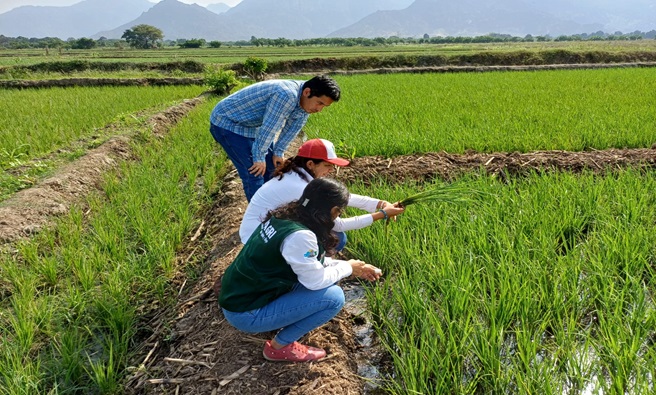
{"x": 541, "y": 286}
{"x": 41, "y": 129}
{"x": 500, "y": 111}
{"x": 72, "y": 297}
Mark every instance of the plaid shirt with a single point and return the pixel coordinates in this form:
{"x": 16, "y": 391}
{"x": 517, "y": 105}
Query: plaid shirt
{"x": 262, "y": 110}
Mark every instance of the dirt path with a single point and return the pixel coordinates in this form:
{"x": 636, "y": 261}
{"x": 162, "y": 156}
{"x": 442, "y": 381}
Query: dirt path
{"x": 65, "y": 82}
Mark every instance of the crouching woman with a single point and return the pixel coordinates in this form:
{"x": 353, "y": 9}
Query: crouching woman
{"x": 282, "y": 280}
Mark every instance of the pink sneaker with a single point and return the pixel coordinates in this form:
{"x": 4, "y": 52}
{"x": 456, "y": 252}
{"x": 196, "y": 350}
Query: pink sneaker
{"x": 294, "y": 352}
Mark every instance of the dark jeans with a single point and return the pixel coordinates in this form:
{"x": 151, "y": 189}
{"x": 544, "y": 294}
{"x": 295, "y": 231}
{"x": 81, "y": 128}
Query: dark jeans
{"x": 239, "y": 149}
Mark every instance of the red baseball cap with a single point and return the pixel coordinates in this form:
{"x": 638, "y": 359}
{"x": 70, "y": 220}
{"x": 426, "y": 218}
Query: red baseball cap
{"x": 321, "y": 149}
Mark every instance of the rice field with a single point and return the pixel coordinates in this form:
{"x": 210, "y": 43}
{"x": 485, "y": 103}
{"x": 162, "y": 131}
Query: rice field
{"x": 228, "y": 54}
{"x": 572, "y": 110}
{"x": 35, "y": 122}
{"x": 72, "y": 299}
{"x": 40, "y": 129}
{"x": 540, "y": 286}
{"x": 543, "y": 285}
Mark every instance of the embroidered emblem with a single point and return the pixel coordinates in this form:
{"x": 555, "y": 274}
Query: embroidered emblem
{"x": 310, "y": 254}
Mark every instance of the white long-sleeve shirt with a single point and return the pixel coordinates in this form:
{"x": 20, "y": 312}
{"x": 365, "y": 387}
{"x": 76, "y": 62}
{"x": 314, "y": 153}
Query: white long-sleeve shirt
{"x": 275, "y": 193}
{"x": 309, "y": 270}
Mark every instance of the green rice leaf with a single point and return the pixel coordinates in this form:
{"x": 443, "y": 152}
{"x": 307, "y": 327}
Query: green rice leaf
{"x": 448, "y": 193}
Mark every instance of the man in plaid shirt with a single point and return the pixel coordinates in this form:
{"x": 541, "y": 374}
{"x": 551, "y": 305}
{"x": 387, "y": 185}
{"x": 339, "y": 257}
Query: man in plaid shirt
{"x": 246, "y": 123}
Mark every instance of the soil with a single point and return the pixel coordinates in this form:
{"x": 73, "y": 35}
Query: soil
{"x": 190, "y": 348}
{"x": 303, "y": 70}
{"x": 65, "y": 82}
{"x": 501, "y": 164}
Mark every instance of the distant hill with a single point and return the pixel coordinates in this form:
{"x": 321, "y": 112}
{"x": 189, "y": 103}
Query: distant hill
{"x": 176, "y": 20}
{"x": 218, "y": 8}
{"x": 625, "y": 16}
{"x": 291, "y": 19}
{"x": 79, "y": 20}
{"x": 295, "y": 19}
{"x": 462, "y": 18}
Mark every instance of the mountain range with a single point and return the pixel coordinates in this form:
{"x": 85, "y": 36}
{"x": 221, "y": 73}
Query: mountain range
{"x": 299, "y": 19}
{"x": 463, "y": 18}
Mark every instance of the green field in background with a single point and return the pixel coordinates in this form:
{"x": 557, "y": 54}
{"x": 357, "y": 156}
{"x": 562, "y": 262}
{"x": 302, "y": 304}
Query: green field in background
{"x": 232, "y": 54}
{"x": 572, "y": 110}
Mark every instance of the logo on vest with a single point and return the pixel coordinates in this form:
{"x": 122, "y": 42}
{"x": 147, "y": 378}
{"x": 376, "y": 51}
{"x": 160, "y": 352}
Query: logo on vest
{"x": 267, "y": 231}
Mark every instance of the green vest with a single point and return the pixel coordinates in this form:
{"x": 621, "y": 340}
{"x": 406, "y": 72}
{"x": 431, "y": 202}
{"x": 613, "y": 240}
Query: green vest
{"x": 260, "y": 274}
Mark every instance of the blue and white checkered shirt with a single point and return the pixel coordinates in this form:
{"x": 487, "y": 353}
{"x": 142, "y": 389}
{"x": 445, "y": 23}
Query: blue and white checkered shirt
{"x": 262, "y": 110}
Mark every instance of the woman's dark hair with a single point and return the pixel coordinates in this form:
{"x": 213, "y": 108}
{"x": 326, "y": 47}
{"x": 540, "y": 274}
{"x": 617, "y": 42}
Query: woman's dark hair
{"x": 313, "y": 209}
{"x": 322, "y": 85}
{"x": 295, "y": 164}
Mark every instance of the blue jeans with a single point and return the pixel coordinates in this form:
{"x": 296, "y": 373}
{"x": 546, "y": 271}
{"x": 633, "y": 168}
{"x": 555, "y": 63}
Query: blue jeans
{"x": 297, "y": 312}
{"x": 239, "y": 150}
{"x": 341, "y": 236}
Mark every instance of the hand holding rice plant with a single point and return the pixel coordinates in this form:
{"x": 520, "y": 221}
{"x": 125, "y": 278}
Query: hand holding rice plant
{"x": 447, "y": 193}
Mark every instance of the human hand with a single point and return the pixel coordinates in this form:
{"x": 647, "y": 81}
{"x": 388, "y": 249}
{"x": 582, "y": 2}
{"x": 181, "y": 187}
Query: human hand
{"x": 390, "y": 212}
{"x": 258, "y": 169}
{"x": 364, "y": 270}
{"x": 384, "y": 204}
{"x": 278, "y": 161}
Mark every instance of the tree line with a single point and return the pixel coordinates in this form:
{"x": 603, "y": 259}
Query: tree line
{"x": 146, "y": 36}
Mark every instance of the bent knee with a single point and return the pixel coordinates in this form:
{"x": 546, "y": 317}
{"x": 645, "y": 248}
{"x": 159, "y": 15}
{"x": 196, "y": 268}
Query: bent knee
{"x": 335, "y": 294}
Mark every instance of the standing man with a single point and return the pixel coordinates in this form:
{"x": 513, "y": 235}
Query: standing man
{"x": 246, "y": 123}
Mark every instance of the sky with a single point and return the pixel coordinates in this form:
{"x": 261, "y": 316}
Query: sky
{"x": 6, "y": 5}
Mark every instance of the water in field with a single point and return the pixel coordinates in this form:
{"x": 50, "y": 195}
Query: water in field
{"x": 369, "y": 351}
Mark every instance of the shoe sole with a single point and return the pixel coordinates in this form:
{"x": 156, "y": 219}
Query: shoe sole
{"x": 288, "y": 360}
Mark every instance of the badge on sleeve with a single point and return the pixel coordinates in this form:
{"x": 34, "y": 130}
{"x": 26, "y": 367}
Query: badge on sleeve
{"x": 310, "y": 254}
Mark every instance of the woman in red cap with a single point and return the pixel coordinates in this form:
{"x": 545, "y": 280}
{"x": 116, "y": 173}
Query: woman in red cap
{"x": 315, "y": 159}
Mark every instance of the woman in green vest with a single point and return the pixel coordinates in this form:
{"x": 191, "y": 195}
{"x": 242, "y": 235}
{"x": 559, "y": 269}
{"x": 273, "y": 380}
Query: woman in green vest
{"x": 283, "y": 280}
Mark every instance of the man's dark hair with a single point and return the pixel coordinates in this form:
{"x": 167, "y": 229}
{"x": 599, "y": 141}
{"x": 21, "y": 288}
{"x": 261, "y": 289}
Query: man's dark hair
{"x": 313, "y": 209}
{"x": 322, "y": 85}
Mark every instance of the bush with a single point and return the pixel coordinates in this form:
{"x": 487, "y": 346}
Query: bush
{"x": 193, "y": 43}
{"x": 220, "y": 81}
{"x": 255, "y": 67}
